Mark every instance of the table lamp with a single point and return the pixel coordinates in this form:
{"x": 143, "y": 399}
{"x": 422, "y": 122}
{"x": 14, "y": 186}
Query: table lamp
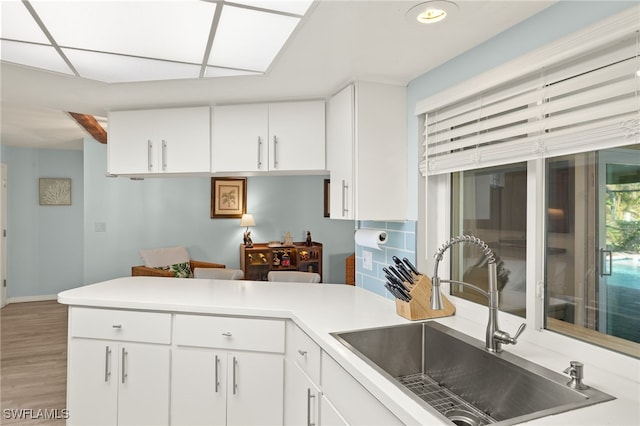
{"x": 247, "y": 220}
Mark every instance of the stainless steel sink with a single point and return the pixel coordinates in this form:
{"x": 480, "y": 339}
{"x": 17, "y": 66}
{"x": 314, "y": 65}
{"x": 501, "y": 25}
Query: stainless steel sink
{"x": 454, "y": 374}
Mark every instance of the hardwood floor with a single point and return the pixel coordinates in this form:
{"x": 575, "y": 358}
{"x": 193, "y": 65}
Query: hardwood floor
{"x": 33, "y": 363}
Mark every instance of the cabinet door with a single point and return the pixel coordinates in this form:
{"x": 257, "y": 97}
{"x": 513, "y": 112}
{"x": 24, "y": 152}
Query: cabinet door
{"x": 255, "y": 389}
{"x": 340, "y": 153}
{"x": 329, "y": 416}
{"x": 133, "y": 146}
{"x": 301, "y": 405}
{"x": 92, "y": 387}
{"x": 239, "y": 141}
{"x": 143, "y": 376}
{"x": 184, "y": 140}
{"x": 198, "y": 387}
{"x": 297, "y": 136}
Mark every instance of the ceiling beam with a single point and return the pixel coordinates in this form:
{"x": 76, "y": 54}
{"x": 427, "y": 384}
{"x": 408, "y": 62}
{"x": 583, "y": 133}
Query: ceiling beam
{"x": 91, "y": 125}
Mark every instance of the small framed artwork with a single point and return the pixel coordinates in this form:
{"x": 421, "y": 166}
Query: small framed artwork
{"x": 327, "y": 198}
{"x": 55, "y": 191}
{"x": 228, "y": 197}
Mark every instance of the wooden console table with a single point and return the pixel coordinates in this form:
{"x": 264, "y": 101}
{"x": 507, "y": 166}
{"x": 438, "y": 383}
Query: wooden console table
{"x": 257, "y": 261}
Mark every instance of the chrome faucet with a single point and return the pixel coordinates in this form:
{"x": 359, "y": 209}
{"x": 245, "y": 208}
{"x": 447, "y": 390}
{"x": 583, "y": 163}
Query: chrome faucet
{"x": 494, "y": 336}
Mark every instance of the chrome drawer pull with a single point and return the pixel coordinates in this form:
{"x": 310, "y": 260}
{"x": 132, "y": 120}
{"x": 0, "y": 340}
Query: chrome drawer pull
{"x": 216, "y": 371}
{"x": 107, "y": 370}
{"x": 124, "y": 364}
{"x": 302, "y": 353}
{"x": 227, "y": 334}
{"x": 117, "y": 326}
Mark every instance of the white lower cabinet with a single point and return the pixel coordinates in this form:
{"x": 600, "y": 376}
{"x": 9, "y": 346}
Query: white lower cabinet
{"x": 118, "y": 383}
{"x": 217, "y": 388}
{"x": 329, "y": 414}
{"x": 302, "y": 396}
{"x": 351, "y": 400}
{"x": 227, "y": 371}
{"x": 118, "y": 367}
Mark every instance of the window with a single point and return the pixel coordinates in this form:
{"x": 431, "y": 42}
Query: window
{"x": 593, "y": 246}
{"x": 534, "y": 158}
{"x": 491, "y": 205}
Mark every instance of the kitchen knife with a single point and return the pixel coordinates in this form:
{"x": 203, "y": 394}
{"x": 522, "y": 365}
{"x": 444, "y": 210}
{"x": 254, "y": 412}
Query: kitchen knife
{"x": 411, "y": 266}
{"x": 395, "y": 273}
{"x": 405, "y": 296}
{"x": 400, "y": 287}
{"x": 396, "y": 282}
{"x": 403, "y": 269}
{"x": 406, "y": 275}
{"x": 397, "y": 292}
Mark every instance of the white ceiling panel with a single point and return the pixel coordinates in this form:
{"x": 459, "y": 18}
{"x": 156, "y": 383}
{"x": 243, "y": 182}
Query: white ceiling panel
{"x": 250, "y": 40}
{"x": 34, "y": 55}
{"x": 117, "y": 68}
{"x": 17, "y": 23}
{"x": 172, "y": 30}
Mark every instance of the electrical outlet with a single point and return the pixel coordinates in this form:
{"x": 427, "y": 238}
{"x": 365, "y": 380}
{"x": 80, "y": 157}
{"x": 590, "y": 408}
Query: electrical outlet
{"x": 367, "y": 260}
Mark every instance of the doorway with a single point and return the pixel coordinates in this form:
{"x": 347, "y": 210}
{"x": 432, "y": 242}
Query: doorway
{"x": 619, "y": 243}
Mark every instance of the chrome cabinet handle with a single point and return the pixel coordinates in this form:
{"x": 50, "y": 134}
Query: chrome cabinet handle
{"x": 107, "y": 359}
{"x": 259, "y": 153}
{"x": 309, "y": 397}
{"x": 149, "y": 155}
{"x": 116, "y": 326}
{"x": 216, "y": 373}
{"x": 235, "y": 383}
{"x": 227, "y": 334}
{"x": 164, "y": 155}
{"x": 345, "y": 189}
{"x": 604, "y": 272}
{"x": 302, "y": 353}
{"x": 275, "y": 152}
{"x": 124, "y": 364}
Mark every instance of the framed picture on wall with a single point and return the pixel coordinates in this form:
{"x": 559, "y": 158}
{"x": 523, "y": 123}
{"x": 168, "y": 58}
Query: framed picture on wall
{"x": 55, "y": 191}
{"x": 228, "y": 197}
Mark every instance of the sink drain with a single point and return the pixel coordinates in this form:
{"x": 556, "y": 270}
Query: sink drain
{"x": 463, "y": 418}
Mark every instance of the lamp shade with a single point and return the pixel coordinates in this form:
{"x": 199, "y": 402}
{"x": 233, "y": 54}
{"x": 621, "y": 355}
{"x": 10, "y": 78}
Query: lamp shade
{"x": 247, "y": 220}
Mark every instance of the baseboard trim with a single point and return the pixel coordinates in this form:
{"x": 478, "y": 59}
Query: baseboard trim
{"x": 22, "y": 299}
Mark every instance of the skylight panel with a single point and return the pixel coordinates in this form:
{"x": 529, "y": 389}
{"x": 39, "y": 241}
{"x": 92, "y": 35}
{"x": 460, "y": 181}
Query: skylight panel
{"x": 249, "y": 39}
{"x": 297, "y": 7}
{"x": 171, "y": 30}
{"x": 117, "y": 68}
{"x": 17, "y": 23}
{"x": 34, "y": 55}
{"x": 226, "y": 72}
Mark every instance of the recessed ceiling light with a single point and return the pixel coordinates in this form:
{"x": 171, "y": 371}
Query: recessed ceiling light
{"x": 431, "y": 11}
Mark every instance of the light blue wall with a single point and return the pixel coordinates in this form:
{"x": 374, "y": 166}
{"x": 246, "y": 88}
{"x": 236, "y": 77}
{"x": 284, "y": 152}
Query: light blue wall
{"x": 164, "y": 212}
{"x": 44, "y": 243}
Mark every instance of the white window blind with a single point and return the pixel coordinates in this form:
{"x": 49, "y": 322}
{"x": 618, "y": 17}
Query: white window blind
{"x": 587, "y": 102}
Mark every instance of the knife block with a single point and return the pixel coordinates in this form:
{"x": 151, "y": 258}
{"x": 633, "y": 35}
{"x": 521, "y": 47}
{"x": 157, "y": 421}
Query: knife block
{"x": 419, "y": 307}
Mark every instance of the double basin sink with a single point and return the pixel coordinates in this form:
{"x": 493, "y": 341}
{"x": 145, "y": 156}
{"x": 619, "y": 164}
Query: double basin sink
{"x": 469, "y": 386}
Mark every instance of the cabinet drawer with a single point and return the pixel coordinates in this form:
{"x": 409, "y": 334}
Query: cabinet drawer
{"x": 305, "y": 352}
{"x": 112, "y": 324}
{"x": 230, "y": 333}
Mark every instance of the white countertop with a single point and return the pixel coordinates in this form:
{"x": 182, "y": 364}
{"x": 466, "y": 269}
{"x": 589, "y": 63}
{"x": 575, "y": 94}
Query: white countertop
{"x": 323, "y": 309}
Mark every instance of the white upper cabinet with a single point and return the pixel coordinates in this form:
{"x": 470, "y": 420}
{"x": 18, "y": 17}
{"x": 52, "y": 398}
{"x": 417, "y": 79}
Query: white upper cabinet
{"x": 367, "y": 152}
{"x": 175, "y": 140}
{"x": 288, "y": 137}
